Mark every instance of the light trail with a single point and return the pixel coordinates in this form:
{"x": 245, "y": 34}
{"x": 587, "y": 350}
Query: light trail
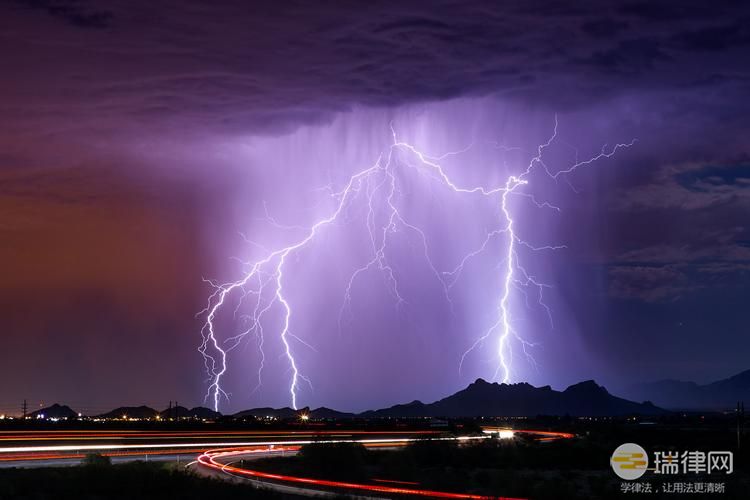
{"x": 506, "y": 432}
{"x": 379, "y": 183}
{"x": 220, "y": 460}
{"x": 208, "y": 445}
{"x": 113, "y": 454}
{"x": 146, "y": 436}
{"x": 77, "y": 451}
{"x": 34, "y": 449}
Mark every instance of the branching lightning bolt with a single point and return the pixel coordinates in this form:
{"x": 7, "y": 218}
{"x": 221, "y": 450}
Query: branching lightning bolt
{"x": 379, "y": 186}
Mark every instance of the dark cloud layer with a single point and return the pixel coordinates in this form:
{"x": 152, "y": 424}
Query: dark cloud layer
{"x": 261, "y": 65}
{"x": 74, "y": 12}
{"x": 113, "y": 113}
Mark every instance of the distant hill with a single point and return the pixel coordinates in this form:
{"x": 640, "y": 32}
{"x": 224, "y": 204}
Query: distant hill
{"x": 281, "y": 413}
{"x": 679, "y": 395}
{"x": 131, "y": 412}
{"x": 175, "y": 412}
{"x": 324, "y": 413}
{"x": 203, "y": 412}
{"x": 321, "y": 413}
{"x": 492, "y": 399}
{"x": 414, "y": 409}
{"x": 54, "y": 411}
{"x": 182, "y": 412}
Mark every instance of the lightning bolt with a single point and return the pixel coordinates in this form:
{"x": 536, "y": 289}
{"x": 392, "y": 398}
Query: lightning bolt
{"x": 263, "y": 279}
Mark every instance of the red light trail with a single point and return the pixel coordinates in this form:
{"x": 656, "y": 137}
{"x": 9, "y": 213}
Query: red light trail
{"x": 208, "y": 459}
{"x": 211, "y": 458}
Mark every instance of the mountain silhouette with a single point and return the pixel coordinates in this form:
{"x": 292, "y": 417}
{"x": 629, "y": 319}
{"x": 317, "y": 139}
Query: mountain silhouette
{"x": 182, "y": 412}
{"x": 280, "y": 413}
{"x": 321, "y": 413}
{"x": 54, "y": 411}
{"x": 130, "y": 412}
{"x": 327, "y": 413}
{"x": 485, "y": 399}
{"x": 676, "y": 394}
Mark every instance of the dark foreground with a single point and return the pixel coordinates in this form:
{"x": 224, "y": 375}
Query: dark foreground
{"x": 524, "y": 467}
{"x": 138, "y": 480}
{"x": 521, "y": 467}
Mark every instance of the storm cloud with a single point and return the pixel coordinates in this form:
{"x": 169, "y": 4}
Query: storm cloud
{"x": 130, "y": 134}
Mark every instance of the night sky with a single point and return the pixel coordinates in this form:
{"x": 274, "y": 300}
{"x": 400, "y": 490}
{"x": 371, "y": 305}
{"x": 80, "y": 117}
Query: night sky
{"x": 147, "y": 146}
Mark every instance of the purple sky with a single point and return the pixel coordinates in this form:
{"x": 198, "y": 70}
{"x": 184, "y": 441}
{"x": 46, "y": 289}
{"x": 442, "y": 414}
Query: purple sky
{"x": 139, "y": 140}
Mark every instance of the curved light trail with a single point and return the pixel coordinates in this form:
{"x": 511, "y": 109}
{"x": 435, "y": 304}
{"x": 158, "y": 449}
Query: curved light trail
{"x": 221, "y": 460}
{"x": 211, "y": 459}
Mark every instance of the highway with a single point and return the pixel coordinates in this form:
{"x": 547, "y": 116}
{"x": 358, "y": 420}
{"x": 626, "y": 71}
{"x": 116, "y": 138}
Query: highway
{"x": 70, "y": 460}
{"x": 218, "y": 452}
{"x": 223, "y": 462}
{"x": 53, "y": 448}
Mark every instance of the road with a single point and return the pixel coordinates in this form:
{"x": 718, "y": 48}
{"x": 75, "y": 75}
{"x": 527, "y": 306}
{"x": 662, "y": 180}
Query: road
{"x": 69, "y": 461}
{"x": 54, "y": 448}
{"x": 223, "y": 462}
{"x": 219, "y": 451}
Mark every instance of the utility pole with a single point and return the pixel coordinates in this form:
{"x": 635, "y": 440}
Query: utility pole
{"x": 25, "y": 408}
{"x": 176, "y": 410}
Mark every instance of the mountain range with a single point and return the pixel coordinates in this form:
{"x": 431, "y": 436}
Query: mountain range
{"x": 286, "y": 413}
{"x": 140, "y": 412}
{"x": 486, "y": 399}
{"x": 482, "y": 398}
{"x": 182, "y": 412}
{"x": 679, "y": 395}
{"x": 143, "y": 412}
